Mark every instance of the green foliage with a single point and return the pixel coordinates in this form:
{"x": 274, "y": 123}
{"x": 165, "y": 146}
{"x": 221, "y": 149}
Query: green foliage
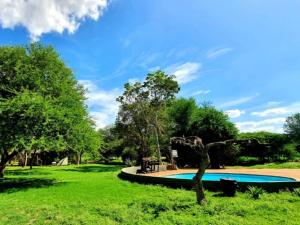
{"x": 129, "y": 156}
{"x": 296, "y": 192}
{"x": 255, "y": 192}
{"x": 266, "y": 137}
{"x": 277, "y": 165}
{"x": 292, "y": 127}
{"x": 41, "y": 104}
{"x": 212, "y": 125}
{"x": 206, "y": 122}
{"x": 141, "y": 115}
{"x": 83, "y": 138}
{"x": 112, "y": 145}
{"x": 289, "y": 151}
{"x": 180, "y": 114}
{"x": 281, "y": 148}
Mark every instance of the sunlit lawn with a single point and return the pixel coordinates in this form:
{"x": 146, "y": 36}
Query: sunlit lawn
{"x": 93, "y": 194}
{"x": 285, "y": 165}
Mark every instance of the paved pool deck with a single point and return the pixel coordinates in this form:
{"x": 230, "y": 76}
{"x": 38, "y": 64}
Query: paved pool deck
{"x": 292, "y": 173}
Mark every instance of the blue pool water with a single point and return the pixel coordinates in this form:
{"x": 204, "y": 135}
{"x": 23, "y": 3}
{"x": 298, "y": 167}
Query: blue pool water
{"x": 237, "y": 177}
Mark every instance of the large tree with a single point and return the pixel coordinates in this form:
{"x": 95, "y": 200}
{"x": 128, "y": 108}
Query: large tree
{"x": 40, "y": 101}
{"x": 83, "y": 138}
{"x": 180, "y": 114}
{"x": 213, "y": 125}
{"x": 188, "y": 119}
{"x": 160, "y": 90}
{"x": 292, "y": 127}
{"x": 142, "y": 109}
{"x": 112, "y": 145}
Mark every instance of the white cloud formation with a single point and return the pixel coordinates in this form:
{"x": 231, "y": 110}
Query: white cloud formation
{"x": 273, "y": 103}
{"x": 234, "y": 113}
{"x": 271, "y": 112}
{"x": 284, "y": 110}
{"x": 186, "y": 72}
{"x": 45, "y": 16}
{"x": 271, "y": 125}
{"x": 216, "y": 52}
{"x": 103, "y": 105}
{"x": 201, "y": 92}
{"x": 238, "y": 101}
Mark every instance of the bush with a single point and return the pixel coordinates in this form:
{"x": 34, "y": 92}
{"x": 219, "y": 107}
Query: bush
{"x": 298, "y": 148}
{"x": 289, "y": 151}
{"x": 255, "y": 192}
{"x": 129, "y": 156}
{"x": 297, "y": 192}
{"x": 275, "y": 152}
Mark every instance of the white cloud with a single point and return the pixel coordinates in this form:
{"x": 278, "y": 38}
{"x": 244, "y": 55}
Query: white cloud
{"x": 45, "y": 16}
{"x": 216, "y": 52}
{"x": 274, "y": 124}
{"x": 273, "y": 103}
{"x": 234, "y": 113}
{"x": 101, "y": 119}
{"x": 284, "y": 110}
{"x": 201, "y": 92}
{"x": 271, "y": 125}
{"x": 185, "y": 73}
{"x": 238, "y": 101}
{"x": 88, "y": 85}
{"x": 270, "y": 112}
{"x": 102, "y": 103}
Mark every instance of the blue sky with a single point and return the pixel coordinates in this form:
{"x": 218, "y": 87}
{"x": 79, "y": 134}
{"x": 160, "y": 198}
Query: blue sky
{"x": 242, "y": 56}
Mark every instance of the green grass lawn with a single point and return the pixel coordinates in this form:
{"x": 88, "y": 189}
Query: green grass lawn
{"x": 285, "y": 165}
{"x": 93, "y": 194}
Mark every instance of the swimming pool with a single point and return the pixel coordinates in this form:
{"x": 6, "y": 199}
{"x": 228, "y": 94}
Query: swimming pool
{"x": 237, "y": 177}
{"x": 211, "y": 181}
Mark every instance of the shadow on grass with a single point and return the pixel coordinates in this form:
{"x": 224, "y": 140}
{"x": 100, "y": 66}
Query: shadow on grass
{"x": 93, "y": 169}
{"x": 11, "y": 185}
{"x": 26, "y": 172}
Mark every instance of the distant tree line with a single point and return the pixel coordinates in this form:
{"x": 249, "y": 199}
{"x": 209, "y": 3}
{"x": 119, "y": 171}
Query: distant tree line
{"x": 145, "y": 125}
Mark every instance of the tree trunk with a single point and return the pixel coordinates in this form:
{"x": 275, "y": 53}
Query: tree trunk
{"x": 2, "y": 168}
{"x": 23, "y": 159}
{"x": 157, "y": 140}
{"x": 78, "y": 159}
{"x": 198, "y": 181}
{"x": 26, "y": 158}
{"x": 31, "y": 159}
{"x": 158, "y": 146}
{"x": 4, "y": 159}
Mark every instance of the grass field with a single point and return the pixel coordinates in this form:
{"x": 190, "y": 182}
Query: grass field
{"x": 93, "y": 194}
{"x": 285, "y": 165}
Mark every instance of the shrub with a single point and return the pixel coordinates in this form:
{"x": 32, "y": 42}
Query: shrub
{"x": 129, "y": 156}
{"x": 275, "y": 152}
{"x": 255, "y": 192}
{"x": 289, "y": 151}
{"x": 296, "y": 192}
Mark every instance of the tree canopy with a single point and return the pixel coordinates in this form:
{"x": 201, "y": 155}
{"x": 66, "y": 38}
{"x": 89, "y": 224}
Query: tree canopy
{"x": 141, "y": 112}
{"x": 292, "y": 127}
{"x": 41, "y": 103}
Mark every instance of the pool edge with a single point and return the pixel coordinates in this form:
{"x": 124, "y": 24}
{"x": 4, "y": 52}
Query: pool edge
{"x": 129, "y": 173}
